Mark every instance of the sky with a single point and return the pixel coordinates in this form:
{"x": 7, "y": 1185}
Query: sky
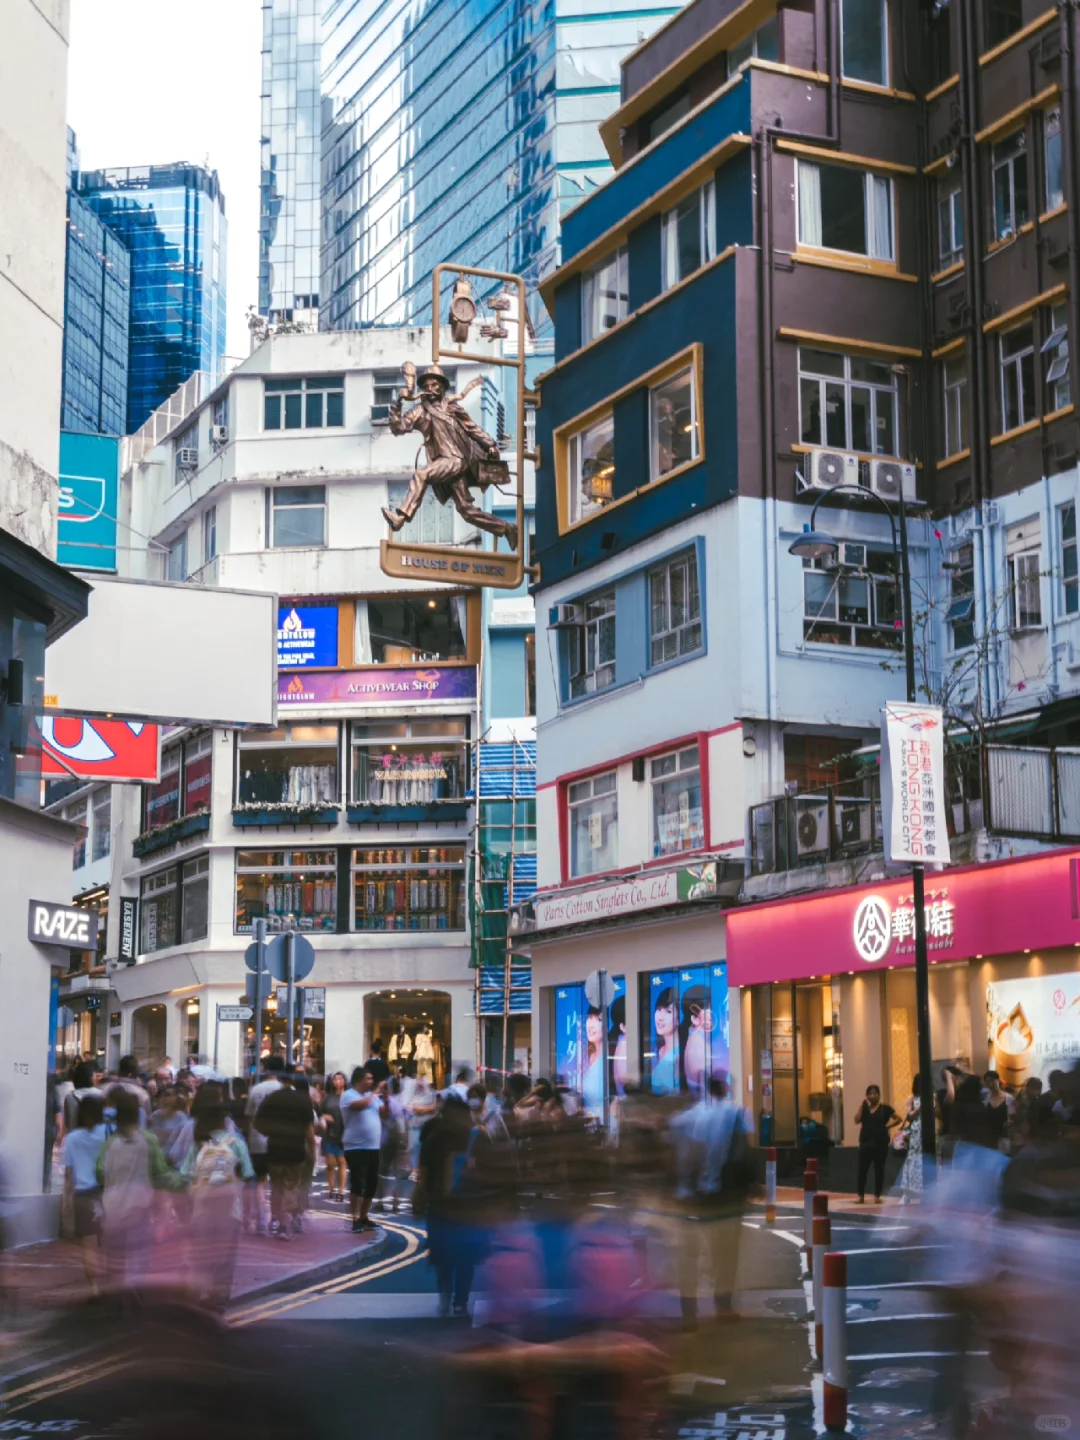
{"x": 151, "y": 82}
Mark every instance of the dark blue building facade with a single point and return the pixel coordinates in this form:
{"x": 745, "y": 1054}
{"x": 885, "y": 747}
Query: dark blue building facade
{"x": 172, "y": 220}
{"x": 97, "y": 312}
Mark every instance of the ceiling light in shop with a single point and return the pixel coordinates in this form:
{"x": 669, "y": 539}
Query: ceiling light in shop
{"x": 432, "y": 604}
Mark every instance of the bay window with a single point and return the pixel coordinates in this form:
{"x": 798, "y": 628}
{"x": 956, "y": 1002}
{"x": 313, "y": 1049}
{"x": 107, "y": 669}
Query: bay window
{"x": 416, "y": 887}
{"x": 594, "y": 824}
{"x": 295, "y": 766}
{"x": 842, "y": 208}
{"x": 688, "y": 235}
{"x": 592, "y": 469}
{"x": 1017, "y": 361}
{"x": 409, "y": 762}
{"x": 678, "y": 818}
{"x": 847, "y": 401}
{"x": 286, "y": 888}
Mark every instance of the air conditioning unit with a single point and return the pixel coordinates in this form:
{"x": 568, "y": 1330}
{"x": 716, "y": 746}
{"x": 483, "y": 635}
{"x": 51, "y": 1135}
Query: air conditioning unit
{"x": 829, "y": 469}
{"x": 565, "y": 617}
{"x": 892, "y": 478}
{"x": 219, "y": 434}
{"x": 812, "y": 828}
{"x": 380, "y": 414}
{"x": 851, "y": 555}
{"x": 853, "y": 820}
{"x": 187, "y": 457}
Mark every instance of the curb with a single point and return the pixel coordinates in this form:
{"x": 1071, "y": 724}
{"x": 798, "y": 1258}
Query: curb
{"x": 322, "y": 1270}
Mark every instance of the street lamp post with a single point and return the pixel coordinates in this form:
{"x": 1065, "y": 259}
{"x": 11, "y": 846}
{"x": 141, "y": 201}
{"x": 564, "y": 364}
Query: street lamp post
{"x": 813, "y": 544}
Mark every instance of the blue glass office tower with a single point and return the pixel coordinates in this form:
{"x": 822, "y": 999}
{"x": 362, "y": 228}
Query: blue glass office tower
{"x": 172, "y": 219}
{"x": 459, "y": 129}
{"x": 289, "y": 228}
{"x": 97, "y": 308}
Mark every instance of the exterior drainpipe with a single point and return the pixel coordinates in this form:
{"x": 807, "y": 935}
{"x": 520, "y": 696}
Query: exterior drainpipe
{"x": 1069, "y": 122}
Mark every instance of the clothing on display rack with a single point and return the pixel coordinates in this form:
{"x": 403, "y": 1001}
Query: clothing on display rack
{"x": 298, "y": 785}
{"x": 397, "y": 777}
{"x": 425, "y": 1055}
{"x": 401, "y": 1045}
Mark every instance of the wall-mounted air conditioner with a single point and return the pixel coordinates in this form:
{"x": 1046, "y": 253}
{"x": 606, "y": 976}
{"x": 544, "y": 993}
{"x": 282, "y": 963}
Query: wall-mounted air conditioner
{"x": 891, "y": 478}
{"x": 219, "y": 434}
{"x": 187, "y": 457}
{"x": 827, "y": 469}
{"x": 851, "y": 555}
{"x": 812, "y": 828}
{"x": 565, "y": 617}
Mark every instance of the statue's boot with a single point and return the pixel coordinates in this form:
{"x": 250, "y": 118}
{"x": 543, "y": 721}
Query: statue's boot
{"x": 394, "y": 518}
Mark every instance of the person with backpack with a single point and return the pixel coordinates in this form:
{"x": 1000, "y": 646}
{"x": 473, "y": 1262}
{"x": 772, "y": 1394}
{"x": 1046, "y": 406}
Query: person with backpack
{"x": 217, "y": 1169}
{"x": 129, "y": 1168}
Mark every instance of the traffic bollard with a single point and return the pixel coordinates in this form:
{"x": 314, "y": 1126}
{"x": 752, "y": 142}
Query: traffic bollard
{"x": 822, "y": 1241}
{"x": 809, "y": 1186}
{"x": 834, "y": 1339}
{"x": 818, "y": 1208}
{"x": 812, "y": 1164}
{"x": 770, "y": 1185}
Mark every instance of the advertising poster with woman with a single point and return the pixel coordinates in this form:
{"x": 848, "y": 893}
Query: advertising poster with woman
{"x": 687, "y": 1038}
{"x": 579, "y": 1043}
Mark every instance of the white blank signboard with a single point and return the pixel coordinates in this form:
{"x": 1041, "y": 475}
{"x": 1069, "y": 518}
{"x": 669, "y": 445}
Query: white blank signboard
{"x": 165, "y": 652}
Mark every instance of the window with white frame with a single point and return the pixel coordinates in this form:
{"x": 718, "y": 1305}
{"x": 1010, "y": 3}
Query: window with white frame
{"x": 847, "y": 401}
{"x": 409, "y": 761}
{"x": 673, "y": 423}
{"x": 688, "y": 235}
{"x": 954, "y": 396}
{"x": 1026, "y": 602}
{"x": 950, "y": 223}
{"x": 592, "y": 647}
{"x": 674, "y": 610}
{"x": 433, "y": 523}
{"x": 419, "y": 887}
{"x": 295, "y": 516}
{"x": 1017, "y": 377}
{"x": 101, "y": 806}
{"x": 762, "y": 44}
{"x": 678, "y": 817}
{"x": 293, "y": 766}
{"x": 176, "y": 564}
{"x": 386, "y": 388}
{"x": 860, "y": 607}
{"x": 864, "y": 29}
{"x": 845, "y": 209}
{"x": 194, "y": 899}
{"x": 592, "y": 469}
{"x": 1070, "y": 571}
{"x": 960, "y": 614}
{"x": 1056, "y": 349}
{"x": 605, "y": 295}
{"x": 1055, "y": 192}
{"x": 1009, "y": 179}
{"x": 314, "y": 403}
{"x": 209, "y": 534}
{"x": 594, "y": 824}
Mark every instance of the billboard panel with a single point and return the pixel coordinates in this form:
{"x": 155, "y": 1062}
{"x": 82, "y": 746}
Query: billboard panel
{"x": 158, "y": 652}
{"x": 307, "y": 635}
{"x": 118, "y": 750}
{"x": 89, "y": 489}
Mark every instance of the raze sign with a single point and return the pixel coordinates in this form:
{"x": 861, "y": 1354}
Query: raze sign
{"x": 99, "y": 749}
{"x": 63, "y": 925}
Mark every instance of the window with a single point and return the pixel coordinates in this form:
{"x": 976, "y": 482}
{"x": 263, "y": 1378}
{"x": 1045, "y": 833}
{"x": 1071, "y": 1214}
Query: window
{"x": 387, "y": 386}
{"x": 605, "y": 295}
{"x": 296, "y": 515}
{"x": 841, "y": 208}
{"x": 221, "y": 410}
{"x": 847, "y": 401}
{"x": 286, "y": 888}
{"x": 674, "y": 610}
{"x": 409, "y": 762}
{"x": 1055, "y": 193}
{"x": 1026, "y": 604}
{"x": 592, "y": 660}
{"x": 865, "y": 38}
{"x": 433, "y": 523}
{"x": 673, "y": 426}
{"x": 310, "y": 404}
{"x": 1010, "y": 185}
{"x": 530, "y": 429}
{"x": 76, "y": 815}
{"x": 410, "y": 629}
{"x": 1056, "y": 349}
{"x": 1070, "y": 573}
{"x": 950, "y": 226}
{"x": 176, "y": 567}
{"x": 102, "y": 807}
{"x": 1003, "y": 19}
{"x": 592, "y": 469}
{"x": 194, "y": 899}
{"x": 688, "y": 236}
{"x": 209, "y": 534}
{"x": 594, "y": 824}
{"x": 678, "y": 822}
{"x": 158, "y": 911}
{"x": 530, "y": 674}
{"x": 198, "y": 756}
{"x": 954, "y": 375}
{"x": 763, "y": 44}
{"x": 666, "y": 118}
{"x": 295, "y": 766}
{"x": 961, "y": 612}
{"x": 1017, "y": 377}
{"x": 939, "y": 38}
{"x": 421, "y": 887}
{"x": 186, "y": 453}
{"x": 849, "y": 607}
{"x": 161, "y": 802}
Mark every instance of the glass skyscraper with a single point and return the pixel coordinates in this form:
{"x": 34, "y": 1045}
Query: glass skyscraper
{"x": 97, "y": 308}
{"x": 459, "y": 130}
{"x": 289, "y": 227}
{"x": 172, "y": 220}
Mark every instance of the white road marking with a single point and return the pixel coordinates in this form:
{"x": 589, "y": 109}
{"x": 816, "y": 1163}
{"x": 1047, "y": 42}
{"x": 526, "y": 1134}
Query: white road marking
{"x": 884, "y": 1319}
{"x": 895, "y": 1249}
{"x": 920, "y": 1355}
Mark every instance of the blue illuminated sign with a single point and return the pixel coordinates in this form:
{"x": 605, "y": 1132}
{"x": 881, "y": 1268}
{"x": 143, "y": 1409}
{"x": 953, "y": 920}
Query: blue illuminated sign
{"x": 307, "y": 636}
{"x": 89, "y": 486}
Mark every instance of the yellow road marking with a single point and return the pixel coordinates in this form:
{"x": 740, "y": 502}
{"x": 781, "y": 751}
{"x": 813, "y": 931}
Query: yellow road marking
{"x": 52, "y": 1379}
{"x": 77, "y": 1382}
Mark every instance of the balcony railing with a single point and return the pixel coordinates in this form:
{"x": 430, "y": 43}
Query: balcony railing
{"x": 1008, "y": 790}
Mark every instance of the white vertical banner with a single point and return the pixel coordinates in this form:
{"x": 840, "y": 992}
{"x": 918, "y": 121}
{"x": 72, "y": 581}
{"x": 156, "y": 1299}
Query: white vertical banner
{"x": 914, "y": 802}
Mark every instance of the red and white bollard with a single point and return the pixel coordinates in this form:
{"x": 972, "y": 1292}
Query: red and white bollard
{"x": 812, "y": 1164}
{"x": 809, "y": 1186}
{"x": 818, "y": 1209}
{"x": 770, "y": 1185}
{"x": 822, "y": 1241}
{"x": 834, "y": 1339}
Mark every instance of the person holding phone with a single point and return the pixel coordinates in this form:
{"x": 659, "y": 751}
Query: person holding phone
{"x": 874, "y": 1120}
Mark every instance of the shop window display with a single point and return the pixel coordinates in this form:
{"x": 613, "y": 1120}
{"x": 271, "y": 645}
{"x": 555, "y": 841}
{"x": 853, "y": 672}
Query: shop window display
{"x": 409, "y": 762}
{"x": 286, "y": 887}
{"x": 161, "y": 802}
{"x": 685, "y": 1037}
{"x": 410, "y": 629}
{"x": 579, "y": 1038}
{"x": 797, "y": 1028}
{"x": 420, "y": 887}
{"x": 295, "y": 766}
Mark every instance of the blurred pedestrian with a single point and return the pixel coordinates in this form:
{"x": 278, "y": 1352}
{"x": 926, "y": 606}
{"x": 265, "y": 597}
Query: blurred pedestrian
{"x": 333, "y": 1150}
{"x": 1027, "y": 1116}
{"x": 910, "y": 1181}
{"x": 257, "y": 1143}
{"x": 287, "y": 1121}
{"x": 393, "y": 1149}
{"x": 361, "y": 1114}
{"x": 999, "y": 1109}
{"x": 444, "y": 1151}
{"x": 129, "y": 1168}
{"x": 173, "y": 1126}
{"x": 875, "y": 1120}
{"x": 217, "y": 1167}
{"x": 82, "y": 1189}
{"x": 376, "y": 1066}
{"x": 86, "y": 1080}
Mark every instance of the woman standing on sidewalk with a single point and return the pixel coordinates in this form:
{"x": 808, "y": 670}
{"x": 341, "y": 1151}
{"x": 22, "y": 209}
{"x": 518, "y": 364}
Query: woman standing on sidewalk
{"x": 129, "y": 1169}
{"x": 217, "y": 1167}
{"x": 910, "y": 1181}
{"x": 875, "y": 1120}
{"x": 333, "y": 1151}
